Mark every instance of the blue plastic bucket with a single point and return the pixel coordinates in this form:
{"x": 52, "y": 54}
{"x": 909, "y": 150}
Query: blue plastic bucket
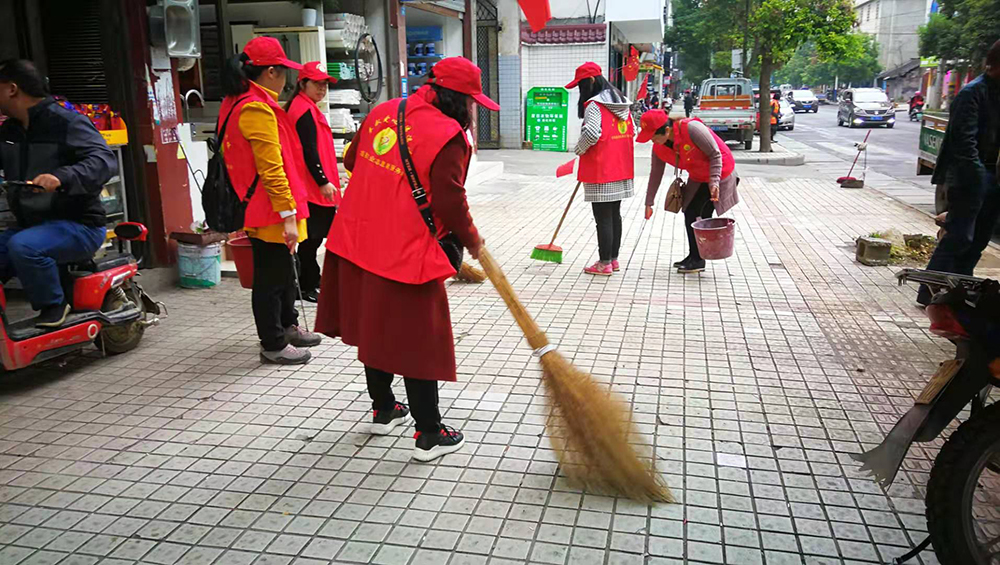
{"x": 200, "y": 267}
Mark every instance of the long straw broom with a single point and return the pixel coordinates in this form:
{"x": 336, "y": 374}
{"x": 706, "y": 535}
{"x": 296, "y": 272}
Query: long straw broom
{"x": 590, "y": 428}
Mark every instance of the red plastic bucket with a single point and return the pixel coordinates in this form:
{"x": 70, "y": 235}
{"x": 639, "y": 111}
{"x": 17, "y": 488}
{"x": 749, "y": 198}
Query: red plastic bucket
{"x": 242, "y": 254}
{"x": 715, "y": 237}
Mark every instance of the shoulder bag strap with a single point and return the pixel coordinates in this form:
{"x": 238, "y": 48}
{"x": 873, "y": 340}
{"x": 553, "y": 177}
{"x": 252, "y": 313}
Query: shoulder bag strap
{"x": 419, "y": 194}
{"x": 218, "y": 145}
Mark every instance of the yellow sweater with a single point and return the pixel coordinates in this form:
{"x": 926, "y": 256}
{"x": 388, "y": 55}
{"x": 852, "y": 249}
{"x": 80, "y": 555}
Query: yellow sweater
{"x": 259, "y": 126}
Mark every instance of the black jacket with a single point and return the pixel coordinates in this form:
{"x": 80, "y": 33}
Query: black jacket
{"x": 971, "y": 141}
{"x": 64, "y": 144}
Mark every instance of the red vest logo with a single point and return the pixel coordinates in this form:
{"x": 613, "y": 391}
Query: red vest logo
{"x": 384, "y": 141}
{"x": 622, "y": 127}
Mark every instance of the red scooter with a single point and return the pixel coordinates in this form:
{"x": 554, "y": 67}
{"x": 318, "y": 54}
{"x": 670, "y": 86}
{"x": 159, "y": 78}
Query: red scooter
{"x": 110, "y": 309}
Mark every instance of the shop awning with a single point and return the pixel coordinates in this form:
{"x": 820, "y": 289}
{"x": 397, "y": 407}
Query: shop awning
{"x": 639, "y": 22}
{"x": 900, "y": 71}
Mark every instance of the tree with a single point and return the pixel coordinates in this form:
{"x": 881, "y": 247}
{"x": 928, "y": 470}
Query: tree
{"x": 858, "y": 65}
{"x": 775, "y": 30}
{"x": 961, "y": 32}
{"x": 780, "y": 27}
{"x": 701, "y": 30}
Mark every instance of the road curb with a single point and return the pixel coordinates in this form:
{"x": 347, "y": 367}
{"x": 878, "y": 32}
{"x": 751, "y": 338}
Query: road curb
{"x": 786, "y": 159}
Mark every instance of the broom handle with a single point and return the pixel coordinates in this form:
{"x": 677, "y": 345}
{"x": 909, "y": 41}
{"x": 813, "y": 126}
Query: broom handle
{"x": 859, "y": 154}
{"x": 566, "y": 211}
{"x": 536, "y": 339}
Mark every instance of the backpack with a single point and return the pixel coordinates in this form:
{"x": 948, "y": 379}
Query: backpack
{"x": 224, "y": 211}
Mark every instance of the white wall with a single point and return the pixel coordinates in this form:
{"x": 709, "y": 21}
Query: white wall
{"x": 555, "y": 65}
{"x": 574, "y": 8}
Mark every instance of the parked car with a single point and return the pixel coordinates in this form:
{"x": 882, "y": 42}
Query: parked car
{"x": 803, "y": 101}
{"x": 865, "y": 106}
{"x": 787, "y": 119}
{"x": 726, "y": 106}
{"x": 821, "y": 97}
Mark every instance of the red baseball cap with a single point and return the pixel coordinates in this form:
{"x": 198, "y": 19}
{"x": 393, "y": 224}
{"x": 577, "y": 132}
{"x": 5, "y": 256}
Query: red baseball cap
{"x": 267, "y": 52}
{"x": 460, "y": 75}
{"x": 651, "y": 121}
{"x": 311, "y": 71}
{"x": 585, "y": 70}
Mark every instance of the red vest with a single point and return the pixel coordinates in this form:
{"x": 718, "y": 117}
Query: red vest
{"x": 378, "y": 226}
{"x": 692, "y": 159}
{"x": 611, "y": 158}
{"x": 324, "y": 144}
{"x": 238, "y": 156}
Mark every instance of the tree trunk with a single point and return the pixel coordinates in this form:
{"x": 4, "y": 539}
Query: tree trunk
{"x": 764, "y": 109}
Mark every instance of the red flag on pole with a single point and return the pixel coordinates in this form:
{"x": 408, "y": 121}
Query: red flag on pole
{"x": 565, "y": 169}
{"x": 643, "y": 89}
{"x": 537, "y": 12}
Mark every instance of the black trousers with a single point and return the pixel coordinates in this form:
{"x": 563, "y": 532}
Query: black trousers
{"x": 608, "y": 216}
{"x": 973, "y": 212}
{"x": 701, "y": 206}
{"x": 273, "y": 293}
{"x": 774, "y": 131}
{"x": 423, "y": 397}
{"x": 317, "y": 226}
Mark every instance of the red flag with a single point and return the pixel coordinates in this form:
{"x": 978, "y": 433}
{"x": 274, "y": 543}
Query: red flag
{"x": 631, "y": 70}
{"x": 537, "y": 12}
{"x": 565, "y": 169}
{"x": 643, "y": 90}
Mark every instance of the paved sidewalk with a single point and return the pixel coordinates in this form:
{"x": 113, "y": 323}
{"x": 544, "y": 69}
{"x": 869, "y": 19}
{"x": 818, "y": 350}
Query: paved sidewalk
{"x": 753, "y": 381}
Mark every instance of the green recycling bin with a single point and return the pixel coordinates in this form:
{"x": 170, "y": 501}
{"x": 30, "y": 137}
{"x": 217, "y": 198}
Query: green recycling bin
{"x": 546, "y": 118}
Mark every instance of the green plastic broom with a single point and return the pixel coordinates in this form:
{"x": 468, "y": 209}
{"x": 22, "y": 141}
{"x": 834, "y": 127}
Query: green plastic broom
{"x": 552, "y": 252}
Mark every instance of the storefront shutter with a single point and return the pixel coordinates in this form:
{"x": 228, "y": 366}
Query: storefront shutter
{"x": 72, "y": 39}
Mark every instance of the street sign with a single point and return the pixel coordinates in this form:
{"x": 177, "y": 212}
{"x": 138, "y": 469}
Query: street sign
{"x": 546, "y": 118}
{"x": 928, "y": 62}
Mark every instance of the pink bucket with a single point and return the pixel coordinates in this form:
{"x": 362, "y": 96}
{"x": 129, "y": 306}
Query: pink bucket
{"x": 715, "y": 237}
{"x": 242, "y": 254}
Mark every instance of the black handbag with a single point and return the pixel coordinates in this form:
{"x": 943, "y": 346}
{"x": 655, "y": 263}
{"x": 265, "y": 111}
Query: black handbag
{"x": 450, "y": 243}
{"x": 29, "y": 203}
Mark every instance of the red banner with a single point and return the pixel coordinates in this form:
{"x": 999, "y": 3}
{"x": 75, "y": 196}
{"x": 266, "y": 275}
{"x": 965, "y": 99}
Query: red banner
{"x": 537, "y": 12}
{"x": 565, "y": 169}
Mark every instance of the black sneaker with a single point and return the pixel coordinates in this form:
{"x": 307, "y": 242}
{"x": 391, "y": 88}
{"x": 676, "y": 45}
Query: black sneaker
{"x": 311, "y": 296}
{"x": 682, "y": 261}
{"x": 431, "y": 446}
{"x": 691, "y": 266}
{"x": 52, "y": 316}
{"x": 383, "y": 421}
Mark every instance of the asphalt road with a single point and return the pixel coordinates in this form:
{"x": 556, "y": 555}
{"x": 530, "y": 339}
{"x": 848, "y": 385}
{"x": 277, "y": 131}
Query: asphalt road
{"x": 892, "y": 152}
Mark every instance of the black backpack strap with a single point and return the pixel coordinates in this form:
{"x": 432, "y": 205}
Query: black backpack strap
{"x": 419, "y": 194}
{"x": 218, "y": 145}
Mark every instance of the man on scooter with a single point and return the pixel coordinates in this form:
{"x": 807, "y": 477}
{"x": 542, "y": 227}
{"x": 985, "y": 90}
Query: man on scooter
{"x": 62, "y": 220}
{"x": 916, "y": 102}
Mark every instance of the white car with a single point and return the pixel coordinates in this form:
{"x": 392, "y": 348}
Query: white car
{"x": 787, "y": 119}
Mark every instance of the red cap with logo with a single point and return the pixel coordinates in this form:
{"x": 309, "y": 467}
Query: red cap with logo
{"x": 267, "y": 52}
{"x": 650, "y": 122}
{"x": 585, "y": 70}
{"x": 311, "y": 71}
{"x": 460, "y": 75}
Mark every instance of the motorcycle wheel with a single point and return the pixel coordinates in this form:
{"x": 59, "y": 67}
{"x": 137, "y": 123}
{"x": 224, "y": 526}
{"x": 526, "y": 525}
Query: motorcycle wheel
{"x": 963, "y": 493}
{"x": 120, "y": 339}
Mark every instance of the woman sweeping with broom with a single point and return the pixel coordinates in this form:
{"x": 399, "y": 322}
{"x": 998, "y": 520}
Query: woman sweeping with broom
{"x": 690, "y": 145}
{"x": 390, "y": 250}
{"x": 606, "y": 160}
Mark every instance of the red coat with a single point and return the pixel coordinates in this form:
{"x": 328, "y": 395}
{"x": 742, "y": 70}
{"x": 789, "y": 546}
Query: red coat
{"x": 378, "y": 226}
{"x": 692, "y": 159}
{"x": 327, "y": 153}
{"x": 612, "y": 157}
{"x": 239, "y": 159}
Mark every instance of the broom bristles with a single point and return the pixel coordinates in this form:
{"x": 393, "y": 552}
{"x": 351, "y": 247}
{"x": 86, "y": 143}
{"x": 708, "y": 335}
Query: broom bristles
{"x": 593, "y": 447}
{"x": 468, "y": 273}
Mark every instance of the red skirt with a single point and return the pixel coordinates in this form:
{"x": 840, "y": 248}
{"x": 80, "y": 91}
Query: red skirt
{"x": 404, "y": 329}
